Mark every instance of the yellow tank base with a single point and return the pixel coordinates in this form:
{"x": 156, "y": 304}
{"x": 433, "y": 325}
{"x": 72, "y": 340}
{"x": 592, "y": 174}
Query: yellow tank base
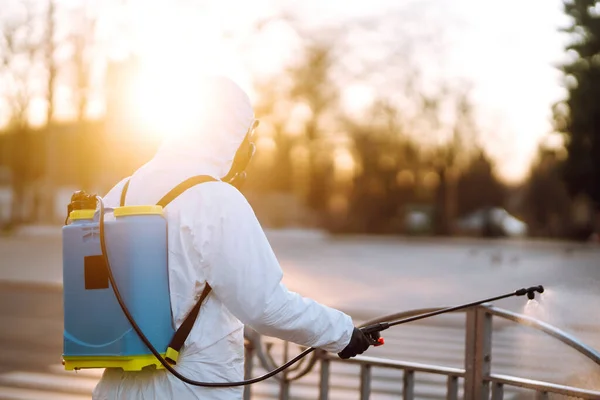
{"x": 127, "y": 363}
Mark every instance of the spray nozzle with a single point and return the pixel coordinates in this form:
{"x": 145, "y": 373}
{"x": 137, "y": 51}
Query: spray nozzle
{"x": 530, "y": 292}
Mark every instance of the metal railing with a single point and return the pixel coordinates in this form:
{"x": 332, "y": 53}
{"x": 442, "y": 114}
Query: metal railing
{"x": 477, "y": 380}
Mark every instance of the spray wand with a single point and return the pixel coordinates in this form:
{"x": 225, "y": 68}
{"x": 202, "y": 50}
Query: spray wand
{"x": 381, "y": 326}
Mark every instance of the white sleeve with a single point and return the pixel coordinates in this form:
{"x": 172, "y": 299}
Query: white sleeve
{"x": 246, "y": 277}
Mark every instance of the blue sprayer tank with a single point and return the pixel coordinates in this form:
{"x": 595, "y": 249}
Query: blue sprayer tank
{"x": 96, "y": 332}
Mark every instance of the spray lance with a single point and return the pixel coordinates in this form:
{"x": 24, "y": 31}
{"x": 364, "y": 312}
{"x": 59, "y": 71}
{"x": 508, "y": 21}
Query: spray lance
{"x": 381, "y": 326}
{"x": 369, "y": 329}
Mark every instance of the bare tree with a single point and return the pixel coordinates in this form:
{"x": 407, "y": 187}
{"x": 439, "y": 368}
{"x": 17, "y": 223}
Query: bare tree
{"x": 19, "y": 50}
{"x": 388, "y": 57}
{"x": 82, "y": 43}
{"x": 313, "y": 86}
{"x": 50, "y": 60}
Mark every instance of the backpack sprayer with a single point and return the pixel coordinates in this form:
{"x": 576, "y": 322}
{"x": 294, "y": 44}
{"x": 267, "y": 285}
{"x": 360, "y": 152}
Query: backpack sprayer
{"x": 101, "y": 331}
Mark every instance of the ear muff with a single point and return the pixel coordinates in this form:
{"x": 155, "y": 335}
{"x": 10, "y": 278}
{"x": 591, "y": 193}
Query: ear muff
{"x": 238, "y": 180}
{"x": 244, "y": 154}
{"x": 241, "y": 160}
{"x": 251, "y": 151}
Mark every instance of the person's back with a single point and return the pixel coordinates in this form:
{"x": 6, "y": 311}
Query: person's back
{"x": 214, "y": 237}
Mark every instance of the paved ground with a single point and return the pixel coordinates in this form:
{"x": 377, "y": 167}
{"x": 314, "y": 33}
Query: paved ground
{"x": 367, "y": 277}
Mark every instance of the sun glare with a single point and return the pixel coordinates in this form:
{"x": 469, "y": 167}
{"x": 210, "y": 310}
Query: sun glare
{"x": 177, "y": 46}
{"x": 167, "y": 100}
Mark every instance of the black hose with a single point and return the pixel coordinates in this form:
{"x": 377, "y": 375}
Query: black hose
{"x": 367, "y": 329}
{"x": 156, "y": 354}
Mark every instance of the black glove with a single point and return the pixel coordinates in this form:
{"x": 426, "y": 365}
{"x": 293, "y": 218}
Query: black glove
{"x": 359, "y": 343}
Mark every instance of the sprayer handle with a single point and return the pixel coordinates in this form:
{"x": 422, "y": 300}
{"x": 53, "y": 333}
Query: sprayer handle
{"x": 375, "y": 328}
{"x": 373, "y": 337}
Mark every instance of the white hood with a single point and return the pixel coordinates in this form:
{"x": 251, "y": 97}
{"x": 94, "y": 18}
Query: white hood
{"x": 216, "y": 124}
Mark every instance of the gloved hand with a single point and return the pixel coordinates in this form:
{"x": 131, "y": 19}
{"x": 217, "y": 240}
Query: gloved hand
{"x": 359, "y": 343}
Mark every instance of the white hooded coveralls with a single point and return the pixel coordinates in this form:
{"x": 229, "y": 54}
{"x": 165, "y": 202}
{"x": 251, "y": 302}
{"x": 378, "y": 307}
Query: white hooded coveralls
{"x": 215, "y": 237}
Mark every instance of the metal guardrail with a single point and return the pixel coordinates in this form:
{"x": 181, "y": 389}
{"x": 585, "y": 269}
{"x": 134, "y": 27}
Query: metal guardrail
{"x": 477, "y": 379}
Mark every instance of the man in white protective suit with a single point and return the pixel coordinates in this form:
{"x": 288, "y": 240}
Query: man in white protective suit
{"x": 215, "y": 238}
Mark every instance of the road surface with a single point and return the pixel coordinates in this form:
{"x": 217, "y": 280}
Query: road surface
{"x": 364, "y": 276}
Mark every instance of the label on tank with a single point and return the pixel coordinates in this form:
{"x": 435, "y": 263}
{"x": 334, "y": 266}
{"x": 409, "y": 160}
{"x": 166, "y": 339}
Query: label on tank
{"x": 96, "y": 274}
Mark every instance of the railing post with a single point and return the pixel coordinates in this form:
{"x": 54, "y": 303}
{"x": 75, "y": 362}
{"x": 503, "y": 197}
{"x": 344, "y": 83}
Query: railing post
{"x": 408, "y": 387}
{"x": 452, "y": 388}
{"x": 284, "y": 386}
{"x": 541, "y": 395}
{"x": 324, "y": 379}
{"x": 470, "y": 348}
{"x": 365, "y": 382}
{"x": 478, "y": 354}
{"x": 497, "y": 391}
{"x": 248, "y": 363}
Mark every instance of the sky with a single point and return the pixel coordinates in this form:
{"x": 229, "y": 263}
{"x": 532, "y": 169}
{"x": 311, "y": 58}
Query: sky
{"x": 507, "y": 50}
{"x": 516, "y": 79}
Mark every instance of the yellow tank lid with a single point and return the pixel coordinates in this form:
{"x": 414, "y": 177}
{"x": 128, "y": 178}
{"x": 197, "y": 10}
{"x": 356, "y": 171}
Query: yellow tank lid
{"x": 138, "y": 210}
{"x": 81, "y": 214}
